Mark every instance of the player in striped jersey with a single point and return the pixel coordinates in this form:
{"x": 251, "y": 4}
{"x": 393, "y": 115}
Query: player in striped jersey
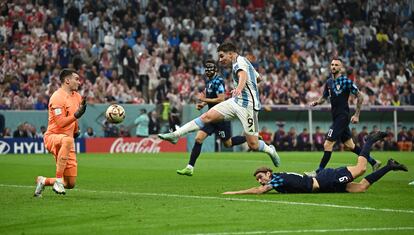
{"x": 244, "y": 104}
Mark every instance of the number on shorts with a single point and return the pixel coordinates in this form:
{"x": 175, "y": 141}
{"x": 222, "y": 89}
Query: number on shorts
{"x": 330, "y": 132}
{"x": 250, "y": 121}
{"x": 343, "y": 179}
{"x": 222, "y": 134}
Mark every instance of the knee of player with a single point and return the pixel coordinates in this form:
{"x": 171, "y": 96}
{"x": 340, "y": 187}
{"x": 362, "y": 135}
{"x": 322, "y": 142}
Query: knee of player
{"x": 199, "y": 140}
{"x": 205, "y": 118}
{"x": 350, "y": 145}
{"x": 328, "y": 145}
{"x": 253, "y": 145}
{"x": 362, "y": 170}
{"x": 67, "y": 141}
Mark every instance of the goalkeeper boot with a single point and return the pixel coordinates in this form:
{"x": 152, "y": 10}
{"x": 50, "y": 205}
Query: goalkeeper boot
{"x": 40, "y": 186}
{"x": 186, "y": 171}
{"x": 58, "y": 186}
{"x": 169, "y": 137}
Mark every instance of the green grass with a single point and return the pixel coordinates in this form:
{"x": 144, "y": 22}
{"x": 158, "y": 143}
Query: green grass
{"x": 142, "y": 194}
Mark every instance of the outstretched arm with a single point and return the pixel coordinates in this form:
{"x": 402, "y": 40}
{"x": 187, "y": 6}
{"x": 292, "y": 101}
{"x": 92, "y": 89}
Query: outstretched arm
{"x": 220, "y": 98}
{"x": 321, "y": 100}
{"x": 360, "y": 100}
{"x": 256, "y": 190}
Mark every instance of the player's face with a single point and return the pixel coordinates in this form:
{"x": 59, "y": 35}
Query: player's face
{"x": 336, "y": 66}
{"x": 263, "y": 178}
{"x": 73, "y": 82}
{"x": 210, "y": 70}
{"x": 225, "y": 58}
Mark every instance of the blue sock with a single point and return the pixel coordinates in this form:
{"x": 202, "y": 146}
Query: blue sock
{"x": 324, "y": 161}
{"x": 236, "y": 140}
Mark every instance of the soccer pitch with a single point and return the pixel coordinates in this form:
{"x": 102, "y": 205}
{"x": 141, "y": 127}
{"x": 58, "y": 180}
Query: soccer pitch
{"x": 142, "y": 194}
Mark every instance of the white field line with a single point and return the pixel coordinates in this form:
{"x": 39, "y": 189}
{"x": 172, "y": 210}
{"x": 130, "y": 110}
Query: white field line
{"x": 227, "y": 198}
{"x": 313, "y": 231}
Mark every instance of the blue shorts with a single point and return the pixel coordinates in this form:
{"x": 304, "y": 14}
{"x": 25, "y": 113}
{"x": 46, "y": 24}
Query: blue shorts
{"x": 339, "y": 130}
{"x": 222, "y": 129}
{"x": 334, "y": 180}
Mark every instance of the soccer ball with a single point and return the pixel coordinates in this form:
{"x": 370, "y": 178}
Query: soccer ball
{"x": 115, "y": 113}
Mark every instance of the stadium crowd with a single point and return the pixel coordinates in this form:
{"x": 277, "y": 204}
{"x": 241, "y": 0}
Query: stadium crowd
{"x": 152, "y": 51}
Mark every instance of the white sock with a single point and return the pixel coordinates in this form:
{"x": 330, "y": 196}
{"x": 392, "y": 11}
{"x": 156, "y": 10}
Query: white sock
{"x": 190, "y": 167}
{"x": 263, "y": 147}
{"x": 187, "y": 128}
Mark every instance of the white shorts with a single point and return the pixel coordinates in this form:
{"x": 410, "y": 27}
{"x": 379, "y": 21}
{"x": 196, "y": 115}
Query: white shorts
{"x": 247, "y": 116}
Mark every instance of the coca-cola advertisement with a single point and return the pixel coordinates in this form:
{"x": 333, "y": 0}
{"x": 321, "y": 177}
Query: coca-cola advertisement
{"x": 133, "y": 145}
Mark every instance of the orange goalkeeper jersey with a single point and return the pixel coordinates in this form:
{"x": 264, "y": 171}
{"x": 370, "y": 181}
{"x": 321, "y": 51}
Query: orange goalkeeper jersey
{"x": 62, "y": 107}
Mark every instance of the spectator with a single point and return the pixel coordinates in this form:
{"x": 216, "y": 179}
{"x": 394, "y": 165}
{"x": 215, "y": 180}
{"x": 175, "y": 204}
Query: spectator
{"x": 293, "y": 45}
{"x": 174, "y": 119}
{"x": 290, "y": 141}
{"x": 389, "y": 143}
{"x": 21, "y": 131}
{"x": 362, "y": 136}
{"x": 41, "y": 133}
{"x": 266, "y": 135}
{"x": 123, "y": 131}
{"x": 378, "y": 144}
{"x": 142, "y": 124}
{"x": 110, "y": 130}
{"x": 89, "y": 133}
{"x": 318, "y": 139}
{"x": 7, "y": 133}
{"x": 304, "y": 141}
{"x": 404, "y": 141}
{"x": 154, "y": 125}
{"x": 279, "y": 137}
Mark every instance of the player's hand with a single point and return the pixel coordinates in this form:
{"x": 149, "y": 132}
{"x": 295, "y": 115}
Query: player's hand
{"x": 201, "y": 96}
{"x": 236, "y": 92}
{"x": 82, "y": 108}
{"x": 77, "y": 134}
{"x": 228, "y": 193}
{"x": 199, "y": 106}
{"x": 354, "y": 119}
{"x": 313, "y": 103}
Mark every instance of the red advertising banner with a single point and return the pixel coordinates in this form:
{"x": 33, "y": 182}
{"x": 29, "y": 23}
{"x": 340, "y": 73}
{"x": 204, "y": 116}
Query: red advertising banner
{"x": 133, "y": 145}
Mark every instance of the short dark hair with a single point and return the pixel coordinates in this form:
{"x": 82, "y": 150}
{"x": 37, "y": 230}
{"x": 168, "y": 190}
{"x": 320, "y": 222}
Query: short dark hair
{"x": 209, "y": 61}
{"x": 227, "y": 47}
{"x": 262, "y": 169}
{"x": 64, "y": 73}
{"x": 337, "y": 58}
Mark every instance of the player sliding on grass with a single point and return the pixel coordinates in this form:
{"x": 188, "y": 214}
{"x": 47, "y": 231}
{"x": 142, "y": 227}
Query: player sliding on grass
{"x": 214, "y": 94}
{"x": 66, "y": 106}
{"x": 338, "y": 88}
{"x": 327, "y": 180}
{"x": 244, "y": 104}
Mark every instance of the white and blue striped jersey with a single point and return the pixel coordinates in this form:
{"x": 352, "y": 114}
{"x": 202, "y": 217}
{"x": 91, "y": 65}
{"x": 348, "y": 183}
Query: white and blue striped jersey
{"x": 249, "y": 96}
